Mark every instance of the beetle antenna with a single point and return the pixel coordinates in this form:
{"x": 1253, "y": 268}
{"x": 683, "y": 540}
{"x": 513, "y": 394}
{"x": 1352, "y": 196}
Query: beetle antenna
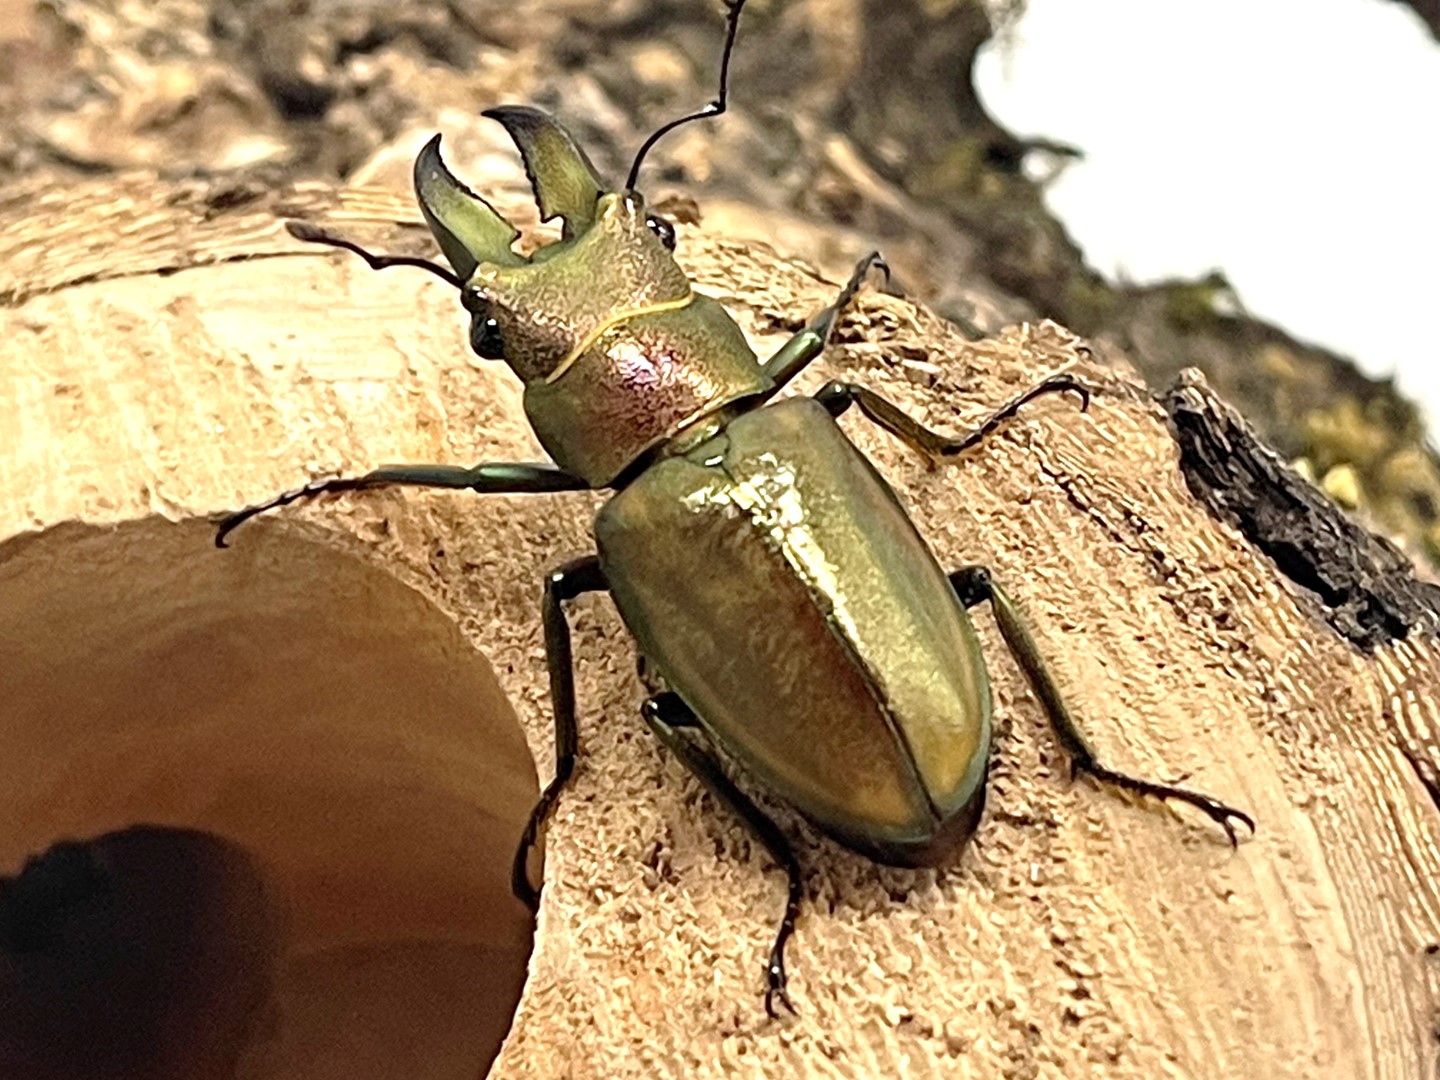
{"x": 715, "y": 108}
{"x": 303, "y": 230}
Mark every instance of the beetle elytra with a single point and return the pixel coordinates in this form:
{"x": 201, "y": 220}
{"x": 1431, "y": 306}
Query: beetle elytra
{"x": 770, "y": 575}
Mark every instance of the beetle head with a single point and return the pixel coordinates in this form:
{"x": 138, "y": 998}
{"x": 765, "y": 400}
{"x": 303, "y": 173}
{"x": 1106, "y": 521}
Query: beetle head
{"x": 618, "y": 355}
{"x": 613, "y": 259}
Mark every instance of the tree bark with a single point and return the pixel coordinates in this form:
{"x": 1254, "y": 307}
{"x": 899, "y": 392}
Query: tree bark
{"x": 162, "y": 361}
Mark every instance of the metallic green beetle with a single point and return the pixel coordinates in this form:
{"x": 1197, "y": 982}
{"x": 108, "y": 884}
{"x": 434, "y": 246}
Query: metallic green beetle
{"x": 769, "y": 574}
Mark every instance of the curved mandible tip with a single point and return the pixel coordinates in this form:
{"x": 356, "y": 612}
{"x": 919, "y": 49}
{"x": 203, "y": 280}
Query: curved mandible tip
{"x": 566, "y": 185}
{"x": 469, "y": 230}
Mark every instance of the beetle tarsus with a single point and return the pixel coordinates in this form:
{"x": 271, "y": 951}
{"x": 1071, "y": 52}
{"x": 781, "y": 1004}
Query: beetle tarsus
{"x": 776, "y": 990}
{"x": 230, "y": 522}
{"x": 775, "y": 966}
{"x": 824, "y": 324}
{"x": 872, "y": 261}
{"x": 793, "y": 357}
{"x": 1222, "y": 814}
{"x": 520, "y": 886}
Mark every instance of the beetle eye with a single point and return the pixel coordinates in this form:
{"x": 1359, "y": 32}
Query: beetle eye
{"x": 485, "y": 338}
{"x": 663, "y": 229}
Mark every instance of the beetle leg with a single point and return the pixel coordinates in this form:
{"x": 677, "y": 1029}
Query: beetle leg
{"x": 665, "y": 713}
{"x": 492, "y": 478}
{"x": 839, "y": 396}
{"x": 973, "y": 585}
{"x": 561, "y": 584}
{"x": 790, "y": 359}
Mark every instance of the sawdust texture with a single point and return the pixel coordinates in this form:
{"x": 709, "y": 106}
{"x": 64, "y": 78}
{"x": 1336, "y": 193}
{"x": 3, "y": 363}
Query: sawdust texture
{"x": 1078, "y": 935}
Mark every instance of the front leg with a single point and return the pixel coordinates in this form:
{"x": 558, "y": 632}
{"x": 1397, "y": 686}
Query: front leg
{"x": 491, "y": 478}
{"x": 792, "y": 357}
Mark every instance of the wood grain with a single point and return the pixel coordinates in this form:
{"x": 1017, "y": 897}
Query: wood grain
{"x": 158, "y": 364}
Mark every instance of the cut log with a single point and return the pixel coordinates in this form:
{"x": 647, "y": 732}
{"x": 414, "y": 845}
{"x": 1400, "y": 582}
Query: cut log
{"x": 336, "y": 698}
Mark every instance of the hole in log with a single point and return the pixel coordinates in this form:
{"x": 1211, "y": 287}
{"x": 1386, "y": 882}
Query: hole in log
{"x": 145, "y": 952}
{"x": 274, "y": 796}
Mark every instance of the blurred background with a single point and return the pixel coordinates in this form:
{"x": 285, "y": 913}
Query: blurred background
{"x": 1282, "y": 142}
{"x": 1246, "y": 186}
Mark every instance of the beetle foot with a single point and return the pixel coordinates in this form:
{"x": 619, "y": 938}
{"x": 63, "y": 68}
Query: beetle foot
{"x": 1060, "y": 383}
{"x": 775, "y": 972}
{"x": 525, "y": 892}
{"x": 227, "y": 524}
{"x": 1222, "y": 814}
{"x": 520, "y": 884}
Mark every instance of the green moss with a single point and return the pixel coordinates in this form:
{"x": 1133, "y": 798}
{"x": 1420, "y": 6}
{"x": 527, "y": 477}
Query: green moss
{"x": 1089, "y": 303}
{"x": 1194, "y": 305}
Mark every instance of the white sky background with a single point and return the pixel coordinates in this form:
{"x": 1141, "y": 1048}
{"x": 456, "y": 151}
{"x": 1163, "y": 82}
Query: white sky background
{"x": 1293, "y": 144}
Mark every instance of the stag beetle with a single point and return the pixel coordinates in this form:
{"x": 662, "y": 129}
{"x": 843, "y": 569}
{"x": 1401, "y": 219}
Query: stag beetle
{"x": 769, "y": 574}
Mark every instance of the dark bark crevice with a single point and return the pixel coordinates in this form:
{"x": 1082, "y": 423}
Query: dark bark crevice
{"x": 1366, "y": 586}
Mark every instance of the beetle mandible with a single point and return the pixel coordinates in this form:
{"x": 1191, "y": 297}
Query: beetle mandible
{"x": 767, "y": 571}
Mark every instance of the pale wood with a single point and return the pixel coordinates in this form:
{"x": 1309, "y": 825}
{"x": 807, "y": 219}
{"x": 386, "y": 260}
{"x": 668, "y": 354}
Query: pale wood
{"x": 1076, "y": 936}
